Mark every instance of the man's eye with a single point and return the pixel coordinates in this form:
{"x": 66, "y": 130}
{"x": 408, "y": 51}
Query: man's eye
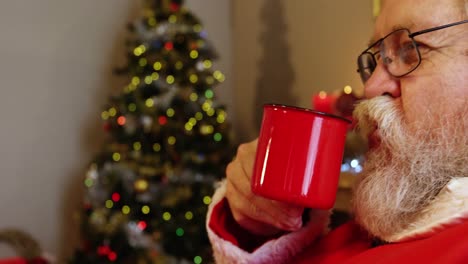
{"x": 407, "y": 47}
{"x": 408, "y": 53}
{"x": 422, "y": 47}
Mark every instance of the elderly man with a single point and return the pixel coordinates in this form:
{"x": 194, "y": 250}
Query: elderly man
{"x": 411, "y": 201}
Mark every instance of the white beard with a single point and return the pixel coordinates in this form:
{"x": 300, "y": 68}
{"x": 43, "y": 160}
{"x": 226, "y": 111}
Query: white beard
{"x": 408, "y": 168}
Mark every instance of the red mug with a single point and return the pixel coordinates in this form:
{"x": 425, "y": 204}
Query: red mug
{"x": 299, "y": 156}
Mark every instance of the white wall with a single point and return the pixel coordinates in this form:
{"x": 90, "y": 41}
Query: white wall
{"x": 56, "y": 59}
{"x": 324, "y": 38}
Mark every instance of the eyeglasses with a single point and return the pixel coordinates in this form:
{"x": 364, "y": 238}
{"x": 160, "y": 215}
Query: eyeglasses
{"x": 398, "y": 52}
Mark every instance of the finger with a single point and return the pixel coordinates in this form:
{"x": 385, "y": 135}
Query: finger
{"x": 256, "y": 227}
{"x": 263, "y": 210}
{"x": 244, "y": 202}
{"x": 246, "y": 157}
{"x": 238, "y": 173}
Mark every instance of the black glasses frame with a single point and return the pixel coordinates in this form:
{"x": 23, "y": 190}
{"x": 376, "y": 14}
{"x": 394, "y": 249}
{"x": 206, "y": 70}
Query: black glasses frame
{"x": 367, "y": 52}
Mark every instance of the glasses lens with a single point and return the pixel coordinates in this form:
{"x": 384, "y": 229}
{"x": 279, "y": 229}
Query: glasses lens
{"x": 366, "y": 66}
{"x": 399, "y": 53}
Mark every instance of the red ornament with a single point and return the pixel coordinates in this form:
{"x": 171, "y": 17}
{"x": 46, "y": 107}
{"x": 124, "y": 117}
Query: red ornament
{"x": 115, "y": 197}
{"x": 175, "y": 7}
{"x": 112, "y": 256}
{"x": 121, "y": 120}
{"x": 103, "y": 250}
{"x": 169, "y": 46}
{"x": 162, "y": 120}
{"x": 107, "y": 126}
{"x": 142, "y": 225}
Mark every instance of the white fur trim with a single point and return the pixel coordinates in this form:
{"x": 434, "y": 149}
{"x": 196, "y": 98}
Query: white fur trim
{"x": 276, "y": 251}
{"x": 448, "y": 208}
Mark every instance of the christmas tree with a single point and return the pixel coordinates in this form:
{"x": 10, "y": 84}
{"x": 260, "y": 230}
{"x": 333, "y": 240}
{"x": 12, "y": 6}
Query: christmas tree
{"x": 147, "y": 192}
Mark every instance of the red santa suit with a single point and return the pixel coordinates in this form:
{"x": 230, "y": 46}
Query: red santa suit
{"x": 438, "y": 235}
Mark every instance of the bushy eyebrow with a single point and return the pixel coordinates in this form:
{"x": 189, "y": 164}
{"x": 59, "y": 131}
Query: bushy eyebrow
{"x": 394, "y": 28}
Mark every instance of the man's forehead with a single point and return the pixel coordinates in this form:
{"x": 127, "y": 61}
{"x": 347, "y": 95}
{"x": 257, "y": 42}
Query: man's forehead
{"x": 382, "y": 29}
{"x": 412, "y": 14}
{"x": 410, "y": 25}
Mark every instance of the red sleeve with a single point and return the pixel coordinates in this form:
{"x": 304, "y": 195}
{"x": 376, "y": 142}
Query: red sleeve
{"x": 223, "y": 224}
{"x": 37, "y": 260}
{"x": 13, "y": 261}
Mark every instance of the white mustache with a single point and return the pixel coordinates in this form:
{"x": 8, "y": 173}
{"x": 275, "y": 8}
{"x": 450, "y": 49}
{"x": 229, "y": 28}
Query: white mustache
{"x": 383, "y": 113}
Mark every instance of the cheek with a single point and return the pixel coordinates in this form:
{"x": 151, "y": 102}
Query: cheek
{"x": 435, "y": 94}
{"x": 422, "y": 100}
{"x": 454, "y": 88}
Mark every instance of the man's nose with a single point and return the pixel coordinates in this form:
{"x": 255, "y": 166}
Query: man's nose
{"x": 382, "y": 82}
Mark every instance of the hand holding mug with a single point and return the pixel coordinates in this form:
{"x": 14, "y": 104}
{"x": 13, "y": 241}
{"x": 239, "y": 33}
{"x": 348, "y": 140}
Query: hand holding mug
{"x": 257, "y": 214}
